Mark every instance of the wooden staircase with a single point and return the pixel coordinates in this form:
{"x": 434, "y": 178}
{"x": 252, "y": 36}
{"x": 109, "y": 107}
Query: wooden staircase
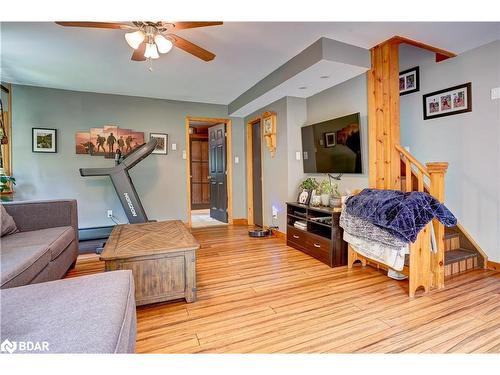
{"x": 460, "y": 253}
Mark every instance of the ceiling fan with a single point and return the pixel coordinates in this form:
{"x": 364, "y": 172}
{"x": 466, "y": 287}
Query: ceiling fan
{"x": 148, "y": 39}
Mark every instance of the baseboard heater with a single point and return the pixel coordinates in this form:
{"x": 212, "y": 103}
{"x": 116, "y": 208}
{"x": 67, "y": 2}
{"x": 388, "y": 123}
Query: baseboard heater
{"x": 92, "y": 239}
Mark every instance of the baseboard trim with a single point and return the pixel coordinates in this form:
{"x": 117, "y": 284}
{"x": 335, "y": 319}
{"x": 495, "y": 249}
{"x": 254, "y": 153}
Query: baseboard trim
{"x": 495, "y": 266}
{"x": 242, "y": 221}
{"x": 279, "y": 234}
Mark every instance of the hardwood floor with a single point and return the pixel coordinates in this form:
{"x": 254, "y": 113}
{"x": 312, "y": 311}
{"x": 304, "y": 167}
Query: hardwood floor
{"x": 261, "y": 296}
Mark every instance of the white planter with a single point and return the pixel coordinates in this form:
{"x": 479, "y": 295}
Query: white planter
{"x": 325, "y": 199}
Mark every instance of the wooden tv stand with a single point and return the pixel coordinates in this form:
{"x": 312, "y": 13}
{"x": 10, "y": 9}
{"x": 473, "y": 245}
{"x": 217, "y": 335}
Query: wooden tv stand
{"x": 322, "y": 241}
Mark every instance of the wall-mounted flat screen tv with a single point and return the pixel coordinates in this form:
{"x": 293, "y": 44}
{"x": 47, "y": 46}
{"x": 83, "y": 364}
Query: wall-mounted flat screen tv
{"x": 333, "y": 146}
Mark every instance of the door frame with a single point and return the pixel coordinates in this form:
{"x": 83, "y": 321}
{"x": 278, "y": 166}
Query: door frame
{"x": 249, "y": 125}
{"x": 229, "y": 163}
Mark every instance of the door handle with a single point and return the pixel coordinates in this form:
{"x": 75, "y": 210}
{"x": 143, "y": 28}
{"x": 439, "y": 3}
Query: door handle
{"x": 209, "y": 177}
{"x": 221, "y": 183}
{"x": 295, "y": 236}
{"x": 316, "y": 245}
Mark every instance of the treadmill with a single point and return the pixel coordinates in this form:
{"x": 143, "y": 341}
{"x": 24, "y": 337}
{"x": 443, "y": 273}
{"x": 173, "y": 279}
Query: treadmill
{"x": 123, "y": 183}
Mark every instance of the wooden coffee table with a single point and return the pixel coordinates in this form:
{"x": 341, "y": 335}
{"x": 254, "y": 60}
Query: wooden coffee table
{"x": 161, "y": 255}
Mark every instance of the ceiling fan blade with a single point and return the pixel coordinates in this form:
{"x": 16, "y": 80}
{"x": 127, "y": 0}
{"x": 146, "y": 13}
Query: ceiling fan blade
{"x": 138, "y": 54}
{"x": 97, "y": 25}
{"x": 191, "y": 25}
{"x": 192, "y": 48}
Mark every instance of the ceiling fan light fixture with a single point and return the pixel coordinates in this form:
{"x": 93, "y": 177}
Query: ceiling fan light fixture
{"x": 135, "y": 39}
{"x": 151, "y": 51}
{"x": 164, "y": 45}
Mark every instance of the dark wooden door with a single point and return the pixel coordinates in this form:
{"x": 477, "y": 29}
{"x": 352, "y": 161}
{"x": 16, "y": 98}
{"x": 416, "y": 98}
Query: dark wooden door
{"x": 200, "y": 184}
{"x": 217, "y": 167}
{"x": 257, "y": 174}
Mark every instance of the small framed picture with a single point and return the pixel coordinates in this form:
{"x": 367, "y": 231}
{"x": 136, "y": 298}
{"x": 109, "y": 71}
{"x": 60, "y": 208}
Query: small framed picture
{"x": 409, "y": 81}
{"x": 304, "y": 197}
{"x": 450, "y": 101}
{"x": 44, "y": 140}
{"x": 161, "y": 143}
{"x": 330, "y": 139}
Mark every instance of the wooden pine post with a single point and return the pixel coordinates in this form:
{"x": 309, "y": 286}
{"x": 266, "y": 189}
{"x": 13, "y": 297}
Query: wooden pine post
{"x": 383, "y": 116}
{"x": 437, "y": 172}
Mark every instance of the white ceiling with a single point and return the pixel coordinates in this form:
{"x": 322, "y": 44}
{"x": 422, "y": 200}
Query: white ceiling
{"x": 45, "y": 54}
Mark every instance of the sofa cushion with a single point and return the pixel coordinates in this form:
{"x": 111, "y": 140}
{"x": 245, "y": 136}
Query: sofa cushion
{"x": 8, "y": 226}
{"x": 87, "y": 314}
{"x": 54, "y": 239}
{"x": 22, "y": 263}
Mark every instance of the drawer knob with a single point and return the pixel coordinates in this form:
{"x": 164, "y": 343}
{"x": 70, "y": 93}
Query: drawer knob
{"x": 317, "y": 245}
{"x": 295, "y": 236}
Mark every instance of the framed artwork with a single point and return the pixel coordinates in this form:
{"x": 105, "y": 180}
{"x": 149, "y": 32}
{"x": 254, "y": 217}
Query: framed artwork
{"x": 269, "y": 131}
{"x": 44, "y": 140}
{"x": 161, "y": 143}
{"x": 409, "y": 81}
{"x": 450, "y": 101}
{"x": 330, "y": 139}
{"x": 304, "y": 196}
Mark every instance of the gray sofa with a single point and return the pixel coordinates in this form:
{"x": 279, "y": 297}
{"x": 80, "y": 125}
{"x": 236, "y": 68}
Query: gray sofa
{"x": 86, "y": 314}
{"x": 46, "y": 245}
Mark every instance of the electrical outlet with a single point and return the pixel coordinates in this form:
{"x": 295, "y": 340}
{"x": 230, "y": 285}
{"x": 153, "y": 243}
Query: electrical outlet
{"x": 109, "y": 213}
{"x": 275, "y": 213}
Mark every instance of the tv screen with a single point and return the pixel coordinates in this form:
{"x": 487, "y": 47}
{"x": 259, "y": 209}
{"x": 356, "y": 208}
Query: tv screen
{"x": 332, "y": 146}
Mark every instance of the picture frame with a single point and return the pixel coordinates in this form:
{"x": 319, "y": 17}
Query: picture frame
{"x": 304, "y": 196}
{"x": 330, "y": 139}
{"x": 44, "y": 140}
{"x": 162, "y": 144}
{"x": 409, "y": 81}
{"x": 451, "y": 101}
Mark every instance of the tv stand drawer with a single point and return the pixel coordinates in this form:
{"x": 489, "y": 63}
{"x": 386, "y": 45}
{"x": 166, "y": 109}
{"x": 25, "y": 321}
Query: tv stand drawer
{"x": 311, "y": 244}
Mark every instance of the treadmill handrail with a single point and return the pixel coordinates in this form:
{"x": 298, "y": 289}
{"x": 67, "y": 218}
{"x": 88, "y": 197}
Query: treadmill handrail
{"x": 84, "y": 172}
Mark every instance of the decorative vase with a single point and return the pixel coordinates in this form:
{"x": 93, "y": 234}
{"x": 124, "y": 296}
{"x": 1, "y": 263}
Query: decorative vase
{"x": 316, "y": 201}
{"x": 325, "y": 199}
{"x": 335, "y": 202}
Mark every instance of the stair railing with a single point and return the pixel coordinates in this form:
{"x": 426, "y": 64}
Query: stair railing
{"x": 426, "y": 267}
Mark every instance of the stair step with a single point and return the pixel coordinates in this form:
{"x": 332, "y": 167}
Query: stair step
{"x": 457, "y": 255}
{"x": 450, "y": 233}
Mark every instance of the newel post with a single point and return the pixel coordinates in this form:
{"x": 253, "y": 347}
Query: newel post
{"x": 437, "y": 172}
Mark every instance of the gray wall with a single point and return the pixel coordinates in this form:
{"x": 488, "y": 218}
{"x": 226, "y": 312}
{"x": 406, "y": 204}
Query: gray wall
{"x": 159, "y": 179}
{"x": 274, "y": 169}
{"x": 470, "y": 142}
{"x": 344, "y": 99}
{"x": 283, "y": 173}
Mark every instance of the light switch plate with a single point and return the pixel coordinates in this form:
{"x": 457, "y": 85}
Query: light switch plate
{"x": 184, "y": 154}
{"x": 495, "y": 93}
{"x": 236, "y": 160}
{"x": 174, "y": 146}
{"x": 297, "y": 155}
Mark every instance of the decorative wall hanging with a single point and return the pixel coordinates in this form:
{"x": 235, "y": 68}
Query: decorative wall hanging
{"x": 409, "y": 81}
{"x": 450, "y": 101}
{"x": 269, "y": 131}
{"x": 107, "y": 140}
{"x": 44, "y": 140}
{"x": 161, "y": 143}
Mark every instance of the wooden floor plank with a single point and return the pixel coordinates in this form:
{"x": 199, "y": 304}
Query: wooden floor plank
{"x": 261, "y": 296}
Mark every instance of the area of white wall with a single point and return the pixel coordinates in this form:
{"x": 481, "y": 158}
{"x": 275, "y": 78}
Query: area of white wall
{"x": 159, "y": 179}
{"x": 344, "y": 99}
{"x": 470, "y": 142}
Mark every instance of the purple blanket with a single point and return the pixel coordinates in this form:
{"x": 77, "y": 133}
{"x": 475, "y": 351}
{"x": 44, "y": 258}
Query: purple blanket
{"x": 402, "y": 214}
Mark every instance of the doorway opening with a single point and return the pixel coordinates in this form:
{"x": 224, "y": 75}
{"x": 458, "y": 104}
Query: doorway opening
{"x": 254, "y": 173}
{"x": 209, "y": 171}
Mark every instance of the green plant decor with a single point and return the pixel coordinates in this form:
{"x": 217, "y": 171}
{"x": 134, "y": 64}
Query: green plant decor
{"x": 309, "y": 184}
{"x": 4, "y": 182}
{"x": 325, "y": 187}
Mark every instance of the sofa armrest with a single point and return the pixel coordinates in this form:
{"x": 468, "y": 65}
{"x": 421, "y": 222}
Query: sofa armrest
{"x": 35, "y": 215}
